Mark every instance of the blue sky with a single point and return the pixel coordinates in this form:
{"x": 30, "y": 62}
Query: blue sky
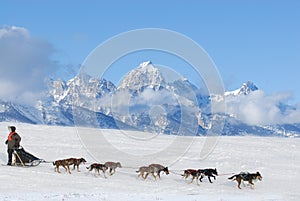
{"x": 247, "y": 40}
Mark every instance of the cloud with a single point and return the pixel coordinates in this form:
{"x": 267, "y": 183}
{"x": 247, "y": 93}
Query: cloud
{"x": 25, "y": 63}
{"x": 257, "y": 108}
{"x": 150, "y": 97}
{"x": 123, "y": 103}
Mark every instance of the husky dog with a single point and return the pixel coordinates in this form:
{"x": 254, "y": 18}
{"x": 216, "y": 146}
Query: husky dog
{"x": 97, "y": 167}
{"x": 157, "y": 168}
{"x": 153, "y": 168}
{"x": 112, "y": 166}
{"x": 191, "y": 172}
{"x": 64, "y": 163}
{"x": 145, "y": 169}
{"x": 209, "y": 173}
{"x": 76, "y": 162}
{"x": 246, "y": 176}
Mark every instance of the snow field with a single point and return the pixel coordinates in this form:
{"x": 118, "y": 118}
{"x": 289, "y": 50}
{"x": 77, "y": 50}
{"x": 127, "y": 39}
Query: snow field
{"x": 277, "y": 159}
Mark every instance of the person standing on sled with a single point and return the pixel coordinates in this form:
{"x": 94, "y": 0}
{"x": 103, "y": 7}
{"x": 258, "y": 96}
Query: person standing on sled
{"x": 13, "y": 142}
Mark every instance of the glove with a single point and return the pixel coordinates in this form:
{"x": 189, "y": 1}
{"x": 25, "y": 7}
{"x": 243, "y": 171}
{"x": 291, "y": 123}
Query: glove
{"x": 6, "y": 141}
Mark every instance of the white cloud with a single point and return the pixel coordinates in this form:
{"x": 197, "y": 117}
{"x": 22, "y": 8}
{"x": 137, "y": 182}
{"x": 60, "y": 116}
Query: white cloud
{"x": 151, "y": 97}
{"x": 257, "y": 108}
{"x": 122, "y": 102}
{"x": 24, "y": 64}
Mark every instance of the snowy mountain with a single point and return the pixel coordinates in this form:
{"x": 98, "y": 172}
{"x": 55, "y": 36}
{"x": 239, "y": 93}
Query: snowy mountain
{"x": 81, "y": 90}
{"x": 144, "y": 76}
{"x": 144, "y": 100}
{"x": 11, "y": 112}
{"x": 246, "y": 88}
{"x": 158, "y": 106}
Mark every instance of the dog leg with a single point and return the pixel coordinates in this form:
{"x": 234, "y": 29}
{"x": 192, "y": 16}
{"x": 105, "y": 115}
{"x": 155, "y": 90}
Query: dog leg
{"x": 145, "y": 177}
{"x": 153, "y": 175}
{"x": 77, "y": 166}
{"x": 209, "y": 179}
{"x": 58, "y": 169}
{"x": 201, "y": 177}
{"x": 68, "y": 169}
{"x": 95, "y": 173}
{"x": 158, "y": 174}
{"x": 185, "y": 176}
{"x": 192, "y": 180}
{"x": 104, "y": 174}
{"x": 239, "y": 183}
{"x": 251, "y": 184}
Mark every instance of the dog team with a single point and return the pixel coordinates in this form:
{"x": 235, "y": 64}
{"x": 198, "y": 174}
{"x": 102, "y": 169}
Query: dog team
{"x": 155, "y": 170}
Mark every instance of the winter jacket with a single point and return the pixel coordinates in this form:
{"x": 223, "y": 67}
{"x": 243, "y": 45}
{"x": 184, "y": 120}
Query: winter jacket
{"x": 13, "y": 141}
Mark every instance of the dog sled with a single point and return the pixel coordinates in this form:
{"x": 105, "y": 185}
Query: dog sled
{"x": 25, "y": 159}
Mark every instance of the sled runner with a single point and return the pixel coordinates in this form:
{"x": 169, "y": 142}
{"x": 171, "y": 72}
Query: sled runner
{"x": 25, "y": 159}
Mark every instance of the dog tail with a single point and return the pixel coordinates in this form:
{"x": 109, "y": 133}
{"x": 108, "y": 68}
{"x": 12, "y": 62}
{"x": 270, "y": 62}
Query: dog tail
{"x": 53, "y": 163}
{"x": 137, "y": 171}
{"x": 232, "y": 177}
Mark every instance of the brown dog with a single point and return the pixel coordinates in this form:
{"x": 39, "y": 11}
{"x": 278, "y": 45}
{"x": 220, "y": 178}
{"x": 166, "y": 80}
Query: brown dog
{"x": 64, "y": 163}
{"x": 191, "y": 172}
{"x": 76, "y": 162}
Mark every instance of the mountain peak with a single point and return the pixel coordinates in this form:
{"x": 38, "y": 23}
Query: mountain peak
{"x": 245, "y": 89}
{"x": 145, "y": 64}
{"x": 146, "y": 75}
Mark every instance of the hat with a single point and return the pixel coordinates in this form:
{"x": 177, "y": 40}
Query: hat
{"x": 11, "y": 128}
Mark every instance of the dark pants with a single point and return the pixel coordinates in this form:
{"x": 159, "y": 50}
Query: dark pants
{"x": 10, "y": 153}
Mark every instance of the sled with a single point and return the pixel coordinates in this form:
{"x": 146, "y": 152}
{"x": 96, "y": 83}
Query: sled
{"x": 25, "y": 159}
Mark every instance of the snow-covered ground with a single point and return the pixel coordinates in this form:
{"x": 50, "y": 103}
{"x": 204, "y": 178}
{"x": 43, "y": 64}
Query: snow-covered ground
{"x": 277, "y": 159}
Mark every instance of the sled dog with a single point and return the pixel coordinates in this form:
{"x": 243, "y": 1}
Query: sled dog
{"x": 64, "y": 163}
{"x": 192, "y": 172}
{"x": 157, "y": 168}
{"x": 112, "y": 166}
{"x": 97, "y": 167}
{"x": 76, "y": 162}
{"x": 209, "y": 173}
{"x": 246, "y": 176}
